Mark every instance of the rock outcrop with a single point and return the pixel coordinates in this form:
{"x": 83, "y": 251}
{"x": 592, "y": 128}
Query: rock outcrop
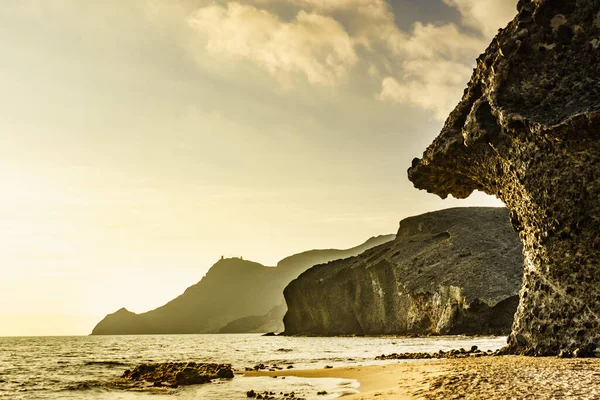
{"x": 232, "y": 289}
{"x": 178, "y": 374}
{"x": 455, "y": 271}
{"x": 527, "y": 130}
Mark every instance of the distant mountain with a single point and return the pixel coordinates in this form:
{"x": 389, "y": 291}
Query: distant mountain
{"x": 454, "y": 271}
{"x": 231, "y": 290}
{"x": 270, "y": 322}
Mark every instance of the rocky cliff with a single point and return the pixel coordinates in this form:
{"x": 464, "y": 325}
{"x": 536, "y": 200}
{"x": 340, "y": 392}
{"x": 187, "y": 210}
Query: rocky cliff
{"x": 455, "y": 271}
{"x": 527, "y": 130}
{"x": 232, "y": 289}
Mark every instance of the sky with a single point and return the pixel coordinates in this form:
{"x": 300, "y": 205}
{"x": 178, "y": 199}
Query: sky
{"x": 141, "y": 140}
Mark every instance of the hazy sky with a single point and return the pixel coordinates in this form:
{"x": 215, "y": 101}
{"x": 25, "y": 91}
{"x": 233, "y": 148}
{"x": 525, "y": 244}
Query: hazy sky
{"x": 143, "y": 139}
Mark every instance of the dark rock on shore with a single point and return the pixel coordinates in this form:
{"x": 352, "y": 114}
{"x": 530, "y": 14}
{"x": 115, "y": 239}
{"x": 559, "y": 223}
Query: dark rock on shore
{"x": 250, "y": 298}
{"x": 455, "y": 271}
{"x": 263, "y": 367}
{"x": 527, "y": 130}
{"x": 270, "y": 395}
{"x": 178, "y": 374}
{"x": 452, "y": 354}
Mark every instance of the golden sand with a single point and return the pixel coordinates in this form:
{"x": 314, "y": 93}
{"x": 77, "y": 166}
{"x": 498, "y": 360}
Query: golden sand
{"x": 507, "y": 377}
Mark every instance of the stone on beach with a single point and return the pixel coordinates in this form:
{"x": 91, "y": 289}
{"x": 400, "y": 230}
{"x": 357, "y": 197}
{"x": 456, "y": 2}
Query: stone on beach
{"x": 178, "y": 374}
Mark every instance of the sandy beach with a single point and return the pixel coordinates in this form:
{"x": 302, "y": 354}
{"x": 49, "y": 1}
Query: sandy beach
{"x": 507, "y": 377}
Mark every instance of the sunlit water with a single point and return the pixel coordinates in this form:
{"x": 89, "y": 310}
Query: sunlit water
{"x": 85, "y": 367}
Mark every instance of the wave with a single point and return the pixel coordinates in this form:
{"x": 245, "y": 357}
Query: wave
{"x": 79, "y": 386}
{"x": 284, "y": 350}
{"x": 107, "y": 363}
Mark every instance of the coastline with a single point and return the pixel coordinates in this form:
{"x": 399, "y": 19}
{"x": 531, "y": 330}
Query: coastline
{"x": 390, "y": 381}
{"x": 498, "y": 377}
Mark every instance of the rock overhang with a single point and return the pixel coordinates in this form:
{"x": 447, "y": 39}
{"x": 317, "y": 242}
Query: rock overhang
{"x": 526, "y": 131}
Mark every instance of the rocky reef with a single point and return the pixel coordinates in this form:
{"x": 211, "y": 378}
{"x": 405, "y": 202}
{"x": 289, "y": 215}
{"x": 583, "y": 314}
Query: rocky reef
{"x": 178, "y": 374}
{"x": 452, "y": 354}
{"x": 527, "y": 130}
{"x": 455, "y": 271}
{"x": 234, "y": 296}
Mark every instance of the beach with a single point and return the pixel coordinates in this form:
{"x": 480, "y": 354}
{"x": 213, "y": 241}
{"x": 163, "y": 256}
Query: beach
{"x": 86, "y": 367}
{"x": 505, "y": 377}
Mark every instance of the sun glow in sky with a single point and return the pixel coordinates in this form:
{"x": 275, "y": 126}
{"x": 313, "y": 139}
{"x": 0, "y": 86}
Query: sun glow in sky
{"x": 142, "y": 140}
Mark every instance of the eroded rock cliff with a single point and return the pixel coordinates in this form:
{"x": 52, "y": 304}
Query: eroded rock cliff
{"x": 455, "y": 271}
{"x": 527, "y": 130}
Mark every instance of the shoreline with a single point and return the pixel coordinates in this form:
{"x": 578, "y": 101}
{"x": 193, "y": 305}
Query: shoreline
{"x": 387, "y": 381}
{"x": 498, "y": 377}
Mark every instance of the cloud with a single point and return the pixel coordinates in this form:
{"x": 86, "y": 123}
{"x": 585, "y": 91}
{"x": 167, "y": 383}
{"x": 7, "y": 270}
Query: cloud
{"x": 487, "y": 16}
{"x": 436, "y": 65}
{"x": 434, "y": 85}
{"x": 352, "y": 42}
{"x": 368, "y": 10}
{"x": 368, "y": 22}
{"x": 328, "y": 4}
{"x": 313, "y": 45}
{"x": 436, "y": 61}
{"x": 328, "y": 43}
{"x": 440, "y": 42}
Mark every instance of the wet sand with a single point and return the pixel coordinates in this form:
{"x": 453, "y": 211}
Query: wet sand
{"x": 506, "y": 377}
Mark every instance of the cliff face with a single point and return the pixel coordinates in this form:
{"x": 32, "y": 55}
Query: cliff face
{"x": 230, "y": 290}
{"x": 527, "y": 130}
{"x": 455, "y": 271}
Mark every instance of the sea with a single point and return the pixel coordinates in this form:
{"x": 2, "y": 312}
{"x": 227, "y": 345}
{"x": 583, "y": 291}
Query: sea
{"x": 87, "y": 367}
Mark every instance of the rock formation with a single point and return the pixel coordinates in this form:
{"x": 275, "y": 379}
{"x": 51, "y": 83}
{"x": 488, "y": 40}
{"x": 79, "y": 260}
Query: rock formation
{"x": 178, "y": 374}
{"x": 527, "y": 130}
{"x": 455, "y": 271}
{"x": 230, "y": 290}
